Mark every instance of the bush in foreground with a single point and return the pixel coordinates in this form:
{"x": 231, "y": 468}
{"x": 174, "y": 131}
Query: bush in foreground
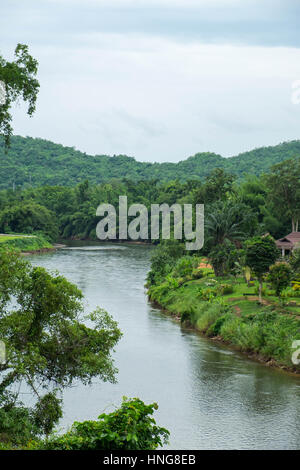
{"x": 131, "y": 427}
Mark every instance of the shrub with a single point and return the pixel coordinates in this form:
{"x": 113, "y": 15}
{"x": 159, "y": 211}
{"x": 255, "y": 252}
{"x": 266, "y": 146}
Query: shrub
{"x": 197, "y": 274}
{"x": 225, "y": 289}
{"x": 280, "y": 277}
{"x": 215, "y": 328}
{"x": 131, "y": 427}
{"x": 207, "y": 315}
{"x": 185, "y": 266}
{"x": 206, "y": 294}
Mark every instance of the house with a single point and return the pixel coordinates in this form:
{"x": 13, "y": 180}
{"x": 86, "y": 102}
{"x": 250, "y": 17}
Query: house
{"x": 288, "y": 243}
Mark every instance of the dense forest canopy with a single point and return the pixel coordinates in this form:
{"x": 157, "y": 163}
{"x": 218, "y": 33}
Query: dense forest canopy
{"x": 231, "y": 206}
{"x": 38, "y": 162}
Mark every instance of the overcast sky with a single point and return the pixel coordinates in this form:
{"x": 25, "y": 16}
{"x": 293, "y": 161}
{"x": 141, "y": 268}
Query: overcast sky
{"x": 159, "y": 80}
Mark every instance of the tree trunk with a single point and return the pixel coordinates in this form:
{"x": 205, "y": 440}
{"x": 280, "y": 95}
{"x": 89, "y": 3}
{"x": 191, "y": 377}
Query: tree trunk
{"x": 260, "y": 290}
{"x": 295, "y": 225}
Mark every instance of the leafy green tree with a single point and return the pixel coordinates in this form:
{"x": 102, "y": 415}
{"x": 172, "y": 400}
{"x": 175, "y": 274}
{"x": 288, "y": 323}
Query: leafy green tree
{"x": 29, "y": 218}
{"x": 16, "y": 424}
{"x": 224, "y": 258}
{"x": 47, "y": 343}
{"x": 252, "y": 192}
{"x": 283, "y": 184}
{"x": 295, "y": 261}
{"x": 261, "y": 253}
{"x": 218, "y": 186}
{"x": 20, "y": 82}
{"x": 47, "y": 413}
{"x": 130, "y": 427}
{"x": 226, "y": 221}
{"x": 164, "y": 259}
{"x": 280, "y": 275}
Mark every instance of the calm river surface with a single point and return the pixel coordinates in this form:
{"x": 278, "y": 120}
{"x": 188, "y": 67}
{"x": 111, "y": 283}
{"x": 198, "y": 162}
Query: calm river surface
{"x": 209, "y": 397}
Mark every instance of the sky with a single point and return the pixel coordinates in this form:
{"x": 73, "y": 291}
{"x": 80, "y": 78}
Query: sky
{"x": 159, "y": 80}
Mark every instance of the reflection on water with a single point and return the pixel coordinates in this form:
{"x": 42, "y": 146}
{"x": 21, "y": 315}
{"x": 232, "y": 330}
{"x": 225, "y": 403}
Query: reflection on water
{"x": 209, "y": 397}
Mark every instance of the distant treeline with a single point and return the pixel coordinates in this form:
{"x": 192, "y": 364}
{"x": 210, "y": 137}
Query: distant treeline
{"x": 269, "y": 203}
{"x": 37, "y": 162}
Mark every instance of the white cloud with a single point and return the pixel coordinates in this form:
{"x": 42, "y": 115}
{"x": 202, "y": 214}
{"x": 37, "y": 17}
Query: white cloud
{"x": 154, "y": 96}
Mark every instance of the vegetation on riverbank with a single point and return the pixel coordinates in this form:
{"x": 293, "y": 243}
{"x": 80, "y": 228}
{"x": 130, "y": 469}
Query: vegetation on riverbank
{"x": 257, "y": 205}
{"x": 227, "y": 307}
{"x": 130, "y": 427}
{"x": 47, "y": 346}
{"x": 25, "y": 243}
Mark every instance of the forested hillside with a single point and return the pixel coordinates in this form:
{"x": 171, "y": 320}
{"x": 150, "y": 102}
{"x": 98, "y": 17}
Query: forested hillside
{"x": 37, "y": 162}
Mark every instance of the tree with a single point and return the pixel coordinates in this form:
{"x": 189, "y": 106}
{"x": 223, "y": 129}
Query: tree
{"x": 283, "y": 184}
{"x": 226, "y": 221}
{"x": 295, "y": 260}
{"x": 29, "y": 217}
{"x": 131, "y": 427}
{"x": 47, "y": 343}
{"x": 19, "y": 79}
{"x": 164, "y": 259}
{"x": 224, "y": 258}
{"x": 218, "y": 185}
{"x": 280, "y": 277}
{"x": 261, "y": 253}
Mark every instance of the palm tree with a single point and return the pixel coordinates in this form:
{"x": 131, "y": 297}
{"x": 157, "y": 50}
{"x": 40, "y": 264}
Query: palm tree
{"x": 226, "y": 222}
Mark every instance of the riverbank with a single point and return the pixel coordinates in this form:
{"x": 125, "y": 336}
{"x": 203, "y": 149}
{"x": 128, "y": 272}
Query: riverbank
{"x": 193, "y": 379}
{"x": 26, "y": 244}
{"x": 227, "y": 311}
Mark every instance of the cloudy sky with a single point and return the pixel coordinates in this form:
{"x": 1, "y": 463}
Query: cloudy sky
{"x": 159, "y": 80}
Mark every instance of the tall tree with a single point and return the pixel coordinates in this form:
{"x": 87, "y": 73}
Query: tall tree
{"x": 261, "y": 253}
{"x": 217, "y": 187}
{"x": 283, "y": 184}
{"x": 19, "y": 81}
{"x": 47, "y": 342}
{"x": 227, "y": 221}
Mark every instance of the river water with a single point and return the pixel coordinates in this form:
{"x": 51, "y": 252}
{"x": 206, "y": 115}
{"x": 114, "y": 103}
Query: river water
{"x": 209, "y": 396}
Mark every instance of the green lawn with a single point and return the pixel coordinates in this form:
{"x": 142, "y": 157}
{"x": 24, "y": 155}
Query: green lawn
{"x": 25, "y": 243}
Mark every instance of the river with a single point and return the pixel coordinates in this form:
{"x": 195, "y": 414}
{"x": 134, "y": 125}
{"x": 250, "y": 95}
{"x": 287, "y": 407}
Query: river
{"x": 209, "y": 396}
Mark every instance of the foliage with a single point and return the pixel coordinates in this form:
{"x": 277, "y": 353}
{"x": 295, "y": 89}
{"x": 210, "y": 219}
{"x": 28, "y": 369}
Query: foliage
{"x": 225, "y": 289}
{"x": 39, "y": 162}
{"x": 47, "y": 412}
{"x": 224, "y": 258}
{"x": 131, "y": 427}
{"x": 267, "y": 332}
{"x": 164, "y": 259}
{"x": 295, "y": 261}
{"x": 227, "y": 222}
{"x": 248, "y": 325}
{"x": 185, "y": 266}
{"x": 46, "y": 340}
{"x": 218, "y": 185}
{"x": 70, "y": 212}
{"x": 280, "y": 275}
{"x": 29, "y": 218}
{"x": 283, "y": 183}
{"x": 26, "y": 243}
{"x": 16, "y": 425}
{"x": 20, "y": 82}
{"x": 261, "y": 252}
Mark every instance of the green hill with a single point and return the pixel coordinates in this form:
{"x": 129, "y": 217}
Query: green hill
{"x": 40, "y": 162}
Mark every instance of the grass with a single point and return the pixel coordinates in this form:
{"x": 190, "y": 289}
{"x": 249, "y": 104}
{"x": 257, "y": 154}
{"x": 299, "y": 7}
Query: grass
{"x": 25, "y": 243}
